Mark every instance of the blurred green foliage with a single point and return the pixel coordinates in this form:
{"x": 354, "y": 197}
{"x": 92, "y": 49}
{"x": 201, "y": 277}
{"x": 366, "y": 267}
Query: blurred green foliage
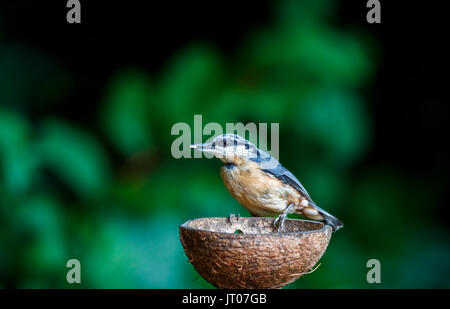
{"x": 114, "y": 197}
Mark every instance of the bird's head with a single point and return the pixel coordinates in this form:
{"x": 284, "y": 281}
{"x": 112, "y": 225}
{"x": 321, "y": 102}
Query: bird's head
{"x": 230, "y": 148}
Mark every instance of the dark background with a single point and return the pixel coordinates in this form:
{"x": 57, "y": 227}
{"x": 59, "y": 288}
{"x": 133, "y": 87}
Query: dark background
{"x": 405, "y": 95}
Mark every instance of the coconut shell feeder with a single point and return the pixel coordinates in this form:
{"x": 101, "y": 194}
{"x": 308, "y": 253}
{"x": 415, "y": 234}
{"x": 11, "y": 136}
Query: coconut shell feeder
{"x": 248, "y": 253}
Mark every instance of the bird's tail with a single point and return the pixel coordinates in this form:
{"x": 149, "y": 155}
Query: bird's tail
{"x": 331, "y": 220}
{"x": 334, "y": 222}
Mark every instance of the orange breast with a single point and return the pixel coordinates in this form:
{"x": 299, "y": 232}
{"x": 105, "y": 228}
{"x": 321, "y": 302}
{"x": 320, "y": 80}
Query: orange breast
{"x": 259, "y": 193}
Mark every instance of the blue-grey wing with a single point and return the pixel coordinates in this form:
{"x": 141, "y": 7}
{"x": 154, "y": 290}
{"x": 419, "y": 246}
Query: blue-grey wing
{"x": 288, "y": 178}
{"x": 270, "y": 165}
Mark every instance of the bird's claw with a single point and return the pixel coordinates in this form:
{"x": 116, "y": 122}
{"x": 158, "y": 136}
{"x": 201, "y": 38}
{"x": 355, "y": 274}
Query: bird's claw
{"x": 279, "y": 221}
{"x": 233, "y": 215}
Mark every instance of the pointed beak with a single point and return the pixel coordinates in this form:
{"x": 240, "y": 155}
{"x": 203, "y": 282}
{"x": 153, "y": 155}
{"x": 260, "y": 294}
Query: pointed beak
{"x": 202, "y": 147}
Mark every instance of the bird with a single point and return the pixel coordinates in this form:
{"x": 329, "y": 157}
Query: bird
{"x": 261, "y": 184}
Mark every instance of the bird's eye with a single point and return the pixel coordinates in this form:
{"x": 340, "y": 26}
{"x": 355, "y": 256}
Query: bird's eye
{"x": 247, "y": 146}
{"x": 213, "y": 145}
{"x": 224, "y": 143}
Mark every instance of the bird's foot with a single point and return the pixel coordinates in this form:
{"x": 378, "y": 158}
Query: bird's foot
{"x": 233, "y": 215}
{"x": 279, "y": 221}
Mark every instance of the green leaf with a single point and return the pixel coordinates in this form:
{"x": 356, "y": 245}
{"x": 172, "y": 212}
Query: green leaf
{"x": 18, "y": 163}
{"x": 41, "y": 217}
{"x": 76, "y": 157}
{"x": 126, "y": 113}
{"x": 191, "y": 82}
{"x": 309, "y": 54}
{"x": 291, "y": 13}
{"x": 338, "y": 122}
{"x": 139, "y": 253}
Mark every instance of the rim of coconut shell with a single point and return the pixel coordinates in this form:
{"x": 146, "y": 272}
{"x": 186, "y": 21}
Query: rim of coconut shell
{"x": 185, "y": 225}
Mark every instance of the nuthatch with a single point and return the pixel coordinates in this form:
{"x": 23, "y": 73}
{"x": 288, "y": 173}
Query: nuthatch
{"x": 261, "y": 184}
